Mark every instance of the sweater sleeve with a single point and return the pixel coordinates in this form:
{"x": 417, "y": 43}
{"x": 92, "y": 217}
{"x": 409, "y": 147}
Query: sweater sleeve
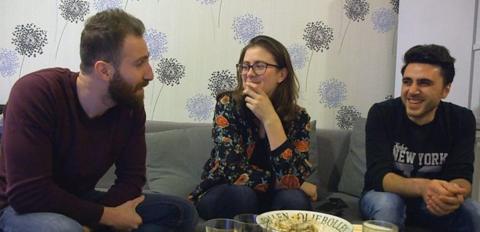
{"x": 378, "y": 149}
{"x": 28, "y": 156}
{"x": 130, "y": 165}
{"x": 290, "y": 160}
{"x": 460, "y": 161}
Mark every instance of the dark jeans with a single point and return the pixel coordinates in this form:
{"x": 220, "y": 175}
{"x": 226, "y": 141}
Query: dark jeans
{"x": 227, "y": 200}
{"x": 398, "y": 210}
{"x": 159, "y": 213}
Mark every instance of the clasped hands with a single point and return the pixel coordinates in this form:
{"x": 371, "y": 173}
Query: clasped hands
{"x": 123, "y": 217}
{"x": 442, "y": 197}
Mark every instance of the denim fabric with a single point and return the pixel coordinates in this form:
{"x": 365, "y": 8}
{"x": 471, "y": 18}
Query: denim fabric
{"x": 10, "y": 221}
{"x": 159, "y": 213}
{"x": 227, "y": 200}
{"x": 398, "y": 210}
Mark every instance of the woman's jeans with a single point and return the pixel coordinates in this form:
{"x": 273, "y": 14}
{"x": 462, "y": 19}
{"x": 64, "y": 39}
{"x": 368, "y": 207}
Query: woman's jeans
{"x": 228, "y": 200}
{"x": 399, "y": 210}
{"x": 159, "y": 213}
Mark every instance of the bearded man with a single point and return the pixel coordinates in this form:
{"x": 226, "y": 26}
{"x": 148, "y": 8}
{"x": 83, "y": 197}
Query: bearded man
{"x": 63, "y": 131}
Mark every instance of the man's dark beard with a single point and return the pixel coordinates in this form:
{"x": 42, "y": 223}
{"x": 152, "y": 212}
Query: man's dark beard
{"x": 123, "y": 93}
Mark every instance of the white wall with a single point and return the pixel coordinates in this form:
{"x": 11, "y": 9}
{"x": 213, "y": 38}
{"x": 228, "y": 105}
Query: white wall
{"x": 475, "y": 93}
{"x": 445, "y": 22}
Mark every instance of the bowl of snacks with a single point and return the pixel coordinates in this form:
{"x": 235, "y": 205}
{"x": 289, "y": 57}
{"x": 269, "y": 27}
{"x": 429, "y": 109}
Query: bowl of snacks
{"x": 300, "y": 220}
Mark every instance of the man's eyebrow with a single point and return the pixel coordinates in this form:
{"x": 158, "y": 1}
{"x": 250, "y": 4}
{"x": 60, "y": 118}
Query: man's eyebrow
{"x": 145, "y": 57}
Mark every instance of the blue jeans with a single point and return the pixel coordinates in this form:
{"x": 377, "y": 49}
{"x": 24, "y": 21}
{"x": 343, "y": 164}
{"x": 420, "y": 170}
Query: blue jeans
{"x": 228, "y": 200}
{"x": 159, "y": 213}
{"x": 398, "y": 210}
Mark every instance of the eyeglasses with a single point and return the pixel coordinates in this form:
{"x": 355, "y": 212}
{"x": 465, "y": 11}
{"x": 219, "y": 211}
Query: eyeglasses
{"x": 259, "y": 68}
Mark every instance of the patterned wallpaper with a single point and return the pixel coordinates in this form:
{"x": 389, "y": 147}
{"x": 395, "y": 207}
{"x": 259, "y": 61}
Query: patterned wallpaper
{"x": 342, "y": 50}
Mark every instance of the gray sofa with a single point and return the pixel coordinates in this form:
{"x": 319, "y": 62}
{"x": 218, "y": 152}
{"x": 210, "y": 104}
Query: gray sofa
{"x": 176, "y": 153}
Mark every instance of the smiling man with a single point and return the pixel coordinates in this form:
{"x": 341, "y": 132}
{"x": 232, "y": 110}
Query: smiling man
{"x": 64, "y": 130}
{"x": 420, "y": 150}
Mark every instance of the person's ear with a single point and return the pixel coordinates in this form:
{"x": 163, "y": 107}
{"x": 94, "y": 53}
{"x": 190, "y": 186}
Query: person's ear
{"x": 446, "y": 90}
{"x": 283, "y": 75}
{"x": 104, "y": 69}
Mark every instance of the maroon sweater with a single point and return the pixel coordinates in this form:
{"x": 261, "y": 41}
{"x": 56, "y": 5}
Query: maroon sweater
{"x": 53, "y": 153}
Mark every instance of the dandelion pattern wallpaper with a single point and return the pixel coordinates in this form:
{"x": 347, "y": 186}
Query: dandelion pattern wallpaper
{"x": 342, "y": 50}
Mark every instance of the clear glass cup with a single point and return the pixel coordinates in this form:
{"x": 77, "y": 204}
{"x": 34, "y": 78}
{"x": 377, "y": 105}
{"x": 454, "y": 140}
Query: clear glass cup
{"x": 220, "y": 225}
{"x": 247, "y": 223}
{"x": 378, "y": 226}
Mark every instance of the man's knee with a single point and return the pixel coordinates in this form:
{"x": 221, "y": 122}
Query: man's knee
{"x": 38, "y": 222}
{"x": 383, "y": 206}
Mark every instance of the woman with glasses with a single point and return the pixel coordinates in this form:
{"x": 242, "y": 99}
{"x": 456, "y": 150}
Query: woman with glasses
{"x": 261, "y": 140}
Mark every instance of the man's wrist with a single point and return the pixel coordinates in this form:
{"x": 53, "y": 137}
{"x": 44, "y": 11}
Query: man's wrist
{"x": 107, "y": 215}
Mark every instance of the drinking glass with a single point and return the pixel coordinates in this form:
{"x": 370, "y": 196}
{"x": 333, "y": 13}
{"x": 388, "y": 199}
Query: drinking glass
{"x": 378, "y": 226}
{"x": 220, "y": 225}
{"x": 247, "y": 223}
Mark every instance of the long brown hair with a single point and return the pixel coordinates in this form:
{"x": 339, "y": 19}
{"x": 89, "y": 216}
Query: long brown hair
{"x": 284, "y": 98}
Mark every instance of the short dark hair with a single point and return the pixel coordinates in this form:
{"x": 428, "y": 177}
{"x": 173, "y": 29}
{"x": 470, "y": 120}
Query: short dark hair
{"x": 103, "y": 36}
{"x": 432, "y": 54}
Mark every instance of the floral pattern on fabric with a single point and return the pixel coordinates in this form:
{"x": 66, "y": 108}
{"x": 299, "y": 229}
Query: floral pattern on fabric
{"x": 234, "y": 140}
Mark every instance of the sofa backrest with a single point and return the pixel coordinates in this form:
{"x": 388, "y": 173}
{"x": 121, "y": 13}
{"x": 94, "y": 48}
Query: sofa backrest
{"x": 332, "y": 149}
{"x": 328, "y": 159}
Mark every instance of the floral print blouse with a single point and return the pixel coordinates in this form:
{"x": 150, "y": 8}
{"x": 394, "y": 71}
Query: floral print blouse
{"x": 234, "y": 140}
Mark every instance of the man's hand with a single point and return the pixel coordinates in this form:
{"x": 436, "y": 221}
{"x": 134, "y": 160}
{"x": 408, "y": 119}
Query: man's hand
{"x": 442, "y": 197}
{"x": 123, "y": 217}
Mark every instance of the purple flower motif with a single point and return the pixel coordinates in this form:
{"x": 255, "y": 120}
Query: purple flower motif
{"x": 8, "y": 62}
{"x": 101, "y": 5}
{"x": 317, "y": 36}
{"x": 29, "y": 39}
{"x": 74, "y": 10}
{"x": 246, "y": 27}
{"x": 356, "y": 10}
{"x": 298, "y": 55}
{"x": 395, "y": 5}
{"x": 212, "y": 2}
{"x": 126, "y": 4}
{"x": 346, "y": 116}
{"x": 221, "y": 81}
{"x": 157, "y": 43}
{"x": 332, "y": 93}
{"x": 169, "y": 71}
{"x": 384, "y": 20}
{"x": 207, "y": 2}
{"x": 200, "y": 107}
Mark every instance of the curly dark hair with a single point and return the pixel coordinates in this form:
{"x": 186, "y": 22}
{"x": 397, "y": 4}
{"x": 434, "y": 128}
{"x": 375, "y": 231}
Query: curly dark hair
{"x": 432, "y": 54}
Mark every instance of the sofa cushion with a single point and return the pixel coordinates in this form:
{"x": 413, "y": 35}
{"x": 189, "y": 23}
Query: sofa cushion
{"x": 351, "y": 181}
{"x": 313, "y": 153}
{"x": 175, "y": 159}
